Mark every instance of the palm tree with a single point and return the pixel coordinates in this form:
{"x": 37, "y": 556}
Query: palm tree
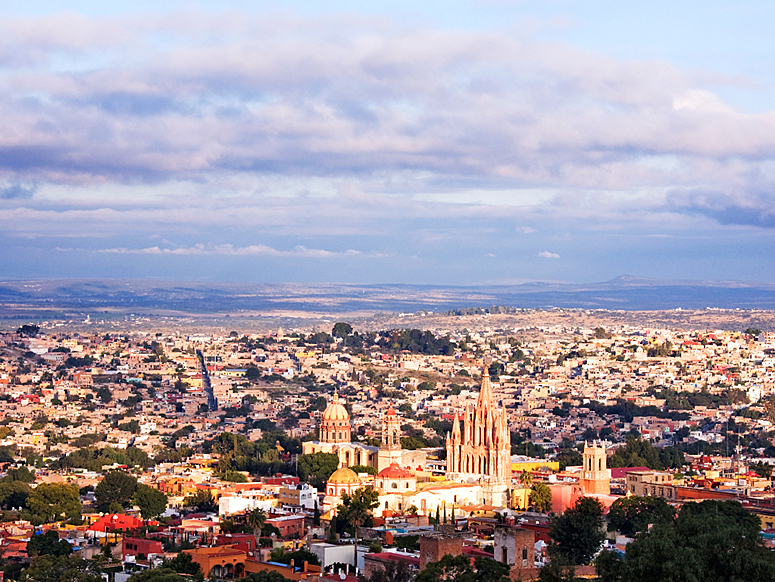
{"x": 526, "y": 478}
{"x": 355, "y": 509}
{"x": 256, "y": 519}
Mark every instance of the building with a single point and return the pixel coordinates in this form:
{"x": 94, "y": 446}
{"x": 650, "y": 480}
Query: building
{"x": 390, "y": 451}
{"x": 595, "y": 477}
{"x": 140, "y": 547}
{"x": 303, "y": 495}
{"x": 652, "y": 483}
{"x": 342, "y": 480}
{"x": 335, "y": 433}
{"x": 220, "y": 561}
{"x": 481, "y": 452}
{"x": 515, "y": 547}
{"x": 433, "y": 547}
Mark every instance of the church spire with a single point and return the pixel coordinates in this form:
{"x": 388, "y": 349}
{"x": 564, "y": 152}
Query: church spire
{"x": 456, "y": 429}
{"x": 485, "y": 392}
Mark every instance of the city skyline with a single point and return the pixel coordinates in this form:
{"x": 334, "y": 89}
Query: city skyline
{"x": 455, "y": 144}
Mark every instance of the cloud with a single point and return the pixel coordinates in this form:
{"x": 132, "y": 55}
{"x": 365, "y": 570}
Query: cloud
{"x": 347, "y": 97}
{"x": 548, "y": 255}
{"x": 16, "y": 191}
{"x": 229, "y": 250}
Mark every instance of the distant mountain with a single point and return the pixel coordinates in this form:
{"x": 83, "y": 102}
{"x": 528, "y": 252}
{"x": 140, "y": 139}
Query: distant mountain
{"x": 621, "y": 293}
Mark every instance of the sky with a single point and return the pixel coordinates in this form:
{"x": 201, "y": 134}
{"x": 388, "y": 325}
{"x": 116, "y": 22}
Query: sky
{"x": 449, "y": 143}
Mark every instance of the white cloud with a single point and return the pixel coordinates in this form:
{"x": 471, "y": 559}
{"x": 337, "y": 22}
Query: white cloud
{"x": 229, "y": 250}
{"x": 548, "y": 255}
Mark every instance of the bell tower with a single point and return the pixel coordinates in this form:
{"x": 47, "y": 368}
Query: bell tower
{"x": 390, "y": 445}
{"x": 595, "y": 477}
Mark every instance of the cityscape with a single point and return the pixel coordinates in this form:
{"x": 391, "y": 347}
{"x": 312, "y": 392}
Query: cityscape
{"x": 387, "y": 291}
{"x": 306, "y": 454}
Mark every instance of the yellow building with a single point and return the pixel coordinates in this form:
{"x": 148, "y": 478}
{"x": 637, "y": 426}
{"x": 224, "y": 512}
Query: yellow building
{"x": 534, "y": 465}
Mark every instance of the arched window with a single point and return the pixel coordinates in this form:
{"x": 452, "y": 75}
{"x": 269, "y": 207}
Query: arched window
{"x": 394, "y": 485}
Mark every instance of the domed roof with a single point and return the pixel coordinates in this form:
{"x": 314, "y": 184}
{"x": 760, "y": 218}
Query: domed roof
{"x": 395, "y": 472}
{"x": 344, "y": 476}
{"x": 335, "y": 411}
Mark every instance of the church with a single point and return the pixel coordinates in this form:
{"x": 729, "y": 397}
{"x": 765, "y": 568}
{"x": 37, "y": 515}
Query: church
{"x": 336, "y": 432}
{"x": 480, "y": 452}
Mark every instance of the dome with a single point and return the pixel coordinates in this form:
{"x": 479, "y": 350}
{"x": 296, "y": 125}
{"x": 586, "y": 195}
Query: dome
{"x": 344, "y": 476}
{"x": 335, "y": 411}
{"x": 395, "y": 472}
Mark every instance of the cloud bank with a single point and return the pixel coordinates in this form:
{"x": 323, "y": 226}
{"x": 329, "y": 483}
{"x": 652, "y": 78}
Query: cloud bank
{"x": 365, "y": 136}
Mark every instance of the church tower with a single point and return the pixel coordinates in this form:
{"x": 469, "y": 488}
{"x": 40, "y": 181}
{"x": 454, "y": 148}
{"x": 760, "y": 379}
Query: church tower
{"x": 335, "y": 425}
{"x": 481, "y": 451}
{"x": 390, "y": 445}
{"x": 595, "y": 477}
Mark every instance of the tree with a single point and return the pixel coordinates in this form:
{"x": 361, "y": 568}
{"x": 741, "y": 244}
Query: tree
{"x": 50, "y": 502}
{"x": 636, "y": 453}
{"x": 631, "y": 515}
{"x": 577, "y": 533}
{"x": 256, "y": 519}
{"x": 13, "y": 494}
{"x": 264, "y": 576}
{"x": 364, "y": 469}
{"x": 47, "y": 568}
{"x": 48, "y": 544}
{"x": 184, "y": 564}
{"x": 710, "y": 540}
{"x": 28, "y": 330}
{"x": 162, "y": 575}
{"x": 355, "y": 509}
{"x": 393, "y": 572}
{"x": 541, "y": 497}
{"x": 202, "y": 500}
{"x": 151, "y": 501}
{"x": 459, "y": 569}
{"x": 317, "y": 467}
{"x": 341, "y": 330}
{"x": 115, "y": 487}
{"x": 526, "y": 478}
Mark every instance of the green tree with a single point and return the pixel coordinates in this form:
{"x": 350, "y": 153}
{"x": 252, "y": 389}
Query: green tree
{"x": 150, "y": 500}
{"x": 631, "y": 515}
{"x": 48, "y": 544}
{"x": 234, "y": 477}
{"x": 202, "y": 500}
{"x": 256, "y": 519}
{"x": 115, "y": 487}
{"x": 578, "y": 533}
{"x": 184, "y": 564}
{"x": 50, "y": 502}
{"x": 341, "y": 329}
{"x": 711, "y": 540}
{"x": 526, "y": 478}
{"x": 364, "y": 469}
{"x": 13, "y": 494}
{"x": 22, "y": 474}
{"x": 636, "y": 453}
{"x": 317, "y": 467}
{"x": 46, "y": 568}
{"x": 163, "y": 574}
{"x": 393, "y": 572}
{"x": 264, "y": 576}
{"x": 459, "y": 569}
{"x": 355, "y": 509}
{"x": 541, "y": 497}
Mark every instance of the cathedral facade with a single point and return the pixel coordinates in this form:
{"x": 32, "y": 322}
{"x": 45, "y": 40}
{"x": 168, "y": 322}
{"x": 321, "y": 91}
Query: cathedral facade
{"x": 481, "y": 451}
{"x": 335, "y": 434}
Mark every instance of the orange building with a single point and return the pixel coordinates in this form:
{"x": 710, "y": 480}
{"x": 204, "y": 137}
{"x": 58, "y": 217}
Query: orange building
{"x": 220, "y": 561}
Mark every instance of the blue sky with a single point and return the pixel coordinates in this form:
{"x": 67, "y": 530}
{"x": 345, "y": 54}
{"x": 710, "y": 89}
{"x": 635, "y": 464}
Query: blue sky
{"x": 387, "y": 142}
